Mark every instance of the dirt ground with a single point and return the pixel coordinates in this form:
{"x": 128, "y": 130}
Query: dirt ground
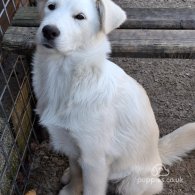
{"x": 170, "y": 84}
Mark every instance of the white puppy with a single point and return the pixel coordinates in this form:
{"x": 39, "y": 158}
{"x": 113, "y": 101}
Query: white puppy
{"x": 95, "y": 113}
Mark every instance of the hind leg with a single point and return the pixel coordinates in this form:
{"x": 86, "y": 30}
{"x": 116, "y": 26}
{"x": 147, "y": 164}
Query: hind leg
{"x": 133, "y": 185}
{"x": 154, "y": 188}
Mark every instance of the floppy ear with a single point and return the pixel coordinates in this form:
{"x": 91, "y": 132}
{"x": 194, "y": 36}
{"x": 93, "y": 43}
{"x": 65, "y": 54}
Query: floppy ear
{"x": 111, "y": 15}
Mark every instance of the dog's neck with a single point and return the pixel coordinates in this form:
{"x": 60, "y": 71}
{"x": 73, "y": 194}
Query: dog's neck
{"x": 92, "y": 54}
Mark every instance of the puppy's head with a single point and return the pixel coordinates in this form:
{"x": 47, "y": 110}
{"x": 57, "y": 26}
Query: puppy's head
{"x": 70, "y": 25}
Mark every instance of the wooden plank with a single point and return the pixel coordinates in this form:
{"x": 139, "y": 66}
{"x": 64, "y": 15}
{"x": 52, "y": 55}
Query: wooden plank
{"x": 20, "y": 39}
{"x": 160, "y": 18}
{"x": 26, "y": 17}
{"x": 137, "y": 18}
{"x": 153, "y": 43}
{"x": 125, "y": 42}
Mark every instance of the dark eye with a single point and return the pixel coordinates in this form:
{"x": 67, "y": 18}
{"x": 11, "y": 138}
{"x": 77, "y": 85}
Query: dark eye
{"x": 80, "y": 17}
{"x": 51, "y": 6}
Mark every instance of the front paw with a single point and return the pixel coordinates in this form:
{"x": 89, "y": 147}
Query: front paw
{"x": 68, "y": 190}
{"x": 65, "y": 179}
{"x": 65, "y": 191}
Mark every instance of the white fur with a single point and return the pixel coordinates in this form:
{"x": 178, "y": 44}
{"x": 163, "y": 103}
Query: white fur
{"x": 177, "y": 144}
{"x": 95, "y": 113}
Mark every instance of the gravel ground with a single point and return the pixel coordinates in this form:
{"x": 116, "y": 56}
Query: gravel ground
{"x": 157, "y": 3}
{"x": 170, "y": 84}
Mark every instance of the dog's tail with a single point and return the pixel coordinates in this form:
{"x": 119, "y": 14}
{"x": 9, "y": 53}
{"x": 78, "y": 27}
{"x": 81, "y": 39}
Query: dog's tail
{"x": 177, "y": 144}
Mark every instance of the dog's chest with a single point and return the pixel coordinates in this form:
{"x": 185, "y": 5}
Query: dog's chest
{"x": 64, "y": 94}
{"x": 62, "y": 100}
{"x": 52, "y": 88}
{"x": 63, "y": 97}
{"x": 63, "y": 141}
{"x": 54, "y": 109}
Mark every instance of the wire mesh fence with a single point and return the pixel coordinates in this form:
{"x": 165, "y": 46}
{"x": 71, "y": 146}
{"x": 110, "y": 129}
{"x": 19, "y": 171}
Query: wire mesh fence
{"x": 17, "y": 119}
{"x": 16, "y": 124}
{"x": 7, "y": 10}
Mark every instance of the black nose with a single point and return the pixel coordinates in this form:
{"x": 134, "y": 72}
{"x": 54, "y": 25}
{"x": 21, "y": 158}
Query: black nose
{"x": 50, "y": 32}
